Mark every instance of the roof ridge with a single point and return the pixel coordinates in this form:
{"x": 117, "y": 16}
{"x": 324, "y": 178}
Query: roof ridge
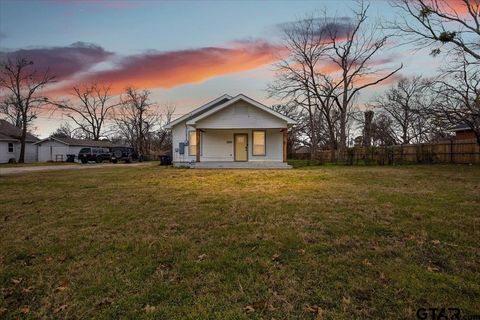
{"x": 197, "y": 110}
{"x": 249, "y": 100}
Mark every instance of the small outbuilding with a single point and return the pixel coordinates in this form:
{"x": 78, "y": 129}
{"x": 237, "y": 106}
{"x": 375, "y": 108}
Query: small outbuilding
{"x": 56, "y": 148}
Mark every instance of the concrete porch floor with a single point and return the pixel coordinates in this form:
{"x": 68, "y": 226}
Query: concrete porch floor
{"x": 236, "y": 165}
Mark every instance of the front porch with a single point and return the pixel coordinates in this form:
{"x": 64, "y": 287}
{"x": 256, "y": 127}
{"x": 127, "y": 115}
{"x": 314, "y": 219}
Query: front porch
{"x": 235, "y": 165}
{"x": 266, "y": 147}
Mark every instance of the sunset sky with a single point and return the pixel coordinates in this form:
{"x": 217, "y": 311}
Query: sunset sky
{"x": 186, "y": 52}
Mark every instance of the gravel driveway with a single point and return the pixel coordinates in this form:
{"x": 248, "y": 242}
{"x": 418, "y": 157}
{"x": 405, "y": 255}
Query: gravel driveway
{"x": 16, "y": 170}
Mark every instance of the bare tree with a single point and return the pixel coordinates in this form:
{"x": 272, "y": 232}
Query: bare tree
{"x": 407, "y": 104}
{"x": 13, "y": 114}
{"x": 439, "y": 24}
{"x": 349, "y": 48}
{"x": 296, "y": 132}
{"x": 300, "y": 80}
{"x": 137, "y": 119}
{"x": 20, "y": 87}
{"x": 66, "y": 130}
{"x": 354, "y": 54}
{"x": 458, "y": 90}
{"x": 93, "y": 108}
{"x": 382, "y": 132}
{"x": 161, "y": 139}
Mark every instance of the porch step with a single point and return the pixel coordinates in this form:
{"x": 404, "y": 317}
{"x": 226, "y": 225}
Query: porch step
{"x": 236, "y": 165}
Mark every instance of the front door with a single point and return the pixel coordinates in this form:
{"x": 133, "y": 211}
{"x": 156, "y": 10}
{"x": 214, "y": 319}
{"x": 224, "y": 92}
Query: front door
{"x": 241, "y": 147}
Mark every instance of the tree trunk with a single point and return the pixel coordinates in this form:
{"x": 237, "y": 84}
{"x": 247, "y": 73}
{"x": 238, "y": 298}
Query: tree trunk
{"x": 313, "y": 150}
{"x": 477, "y": 135}
{"x": 313, "y": 143}
{"x": 343, "y": 118}
{"x": 21, "y": 159}
{"x": 343, "y": 136}
{"x": 332, "y": 144}
{"x": 332, "y": 151}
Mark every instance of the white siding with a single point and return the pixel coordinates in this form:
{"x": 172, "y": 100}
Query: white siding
{"x": 241, "y": 115}
{"x": 4, "y": 154}
{"x": 218, "y": 145}
{"x": 215, "y": 146}
{"x": 30, "y": 152}
{"x": 48, "y": 150}
{"x": 180, "y": 134}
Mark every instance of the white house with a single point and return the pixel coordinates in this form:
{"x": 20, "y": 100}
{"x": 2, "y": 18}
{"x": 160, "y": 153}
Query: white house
{"x": 231, "y": 132}
{"x": 10, "y": 143}
{"x": 57, "y": 148}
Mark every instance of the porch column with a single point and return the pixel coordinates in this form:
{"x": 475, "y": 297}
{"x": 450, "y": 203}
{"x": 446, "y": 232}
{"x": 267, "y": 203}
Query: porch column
{"x": 285, "y": 142}
{"x": 197, "y": 131}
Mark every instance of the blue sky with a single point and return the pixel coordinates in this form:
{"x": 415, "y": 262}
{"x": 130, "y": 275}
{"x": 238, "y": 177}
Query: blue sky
{"x": 122, "y": 32}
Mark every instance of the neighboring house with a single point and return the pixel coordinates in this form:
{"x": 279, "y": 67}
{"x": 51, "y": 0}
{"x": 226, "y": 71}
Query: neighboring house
{"x": 463, "y": 132}
{"x": 56, "y": 148}
{"x": 10, "y": 143}
{"x": 231, "y": 132}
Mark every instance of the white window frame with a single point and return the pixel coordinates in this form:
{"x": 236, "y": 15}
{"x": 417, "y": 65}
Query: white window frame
{"x": 264, "y": 143}
{"x": 190, "y": 153}
{"x": 13, "y": 147}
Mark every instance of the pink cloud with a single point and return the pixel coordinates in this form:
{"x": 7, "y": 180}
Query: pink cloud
{"x": 63, "y": 62}
{"x": 174, "y": 68}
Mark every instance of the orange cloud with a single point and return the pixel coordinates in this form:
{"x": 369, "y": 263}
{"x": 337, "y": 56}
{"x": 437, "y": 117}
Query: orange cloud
{"x": 167, "y": 69}
{"x": 174, "y": 68}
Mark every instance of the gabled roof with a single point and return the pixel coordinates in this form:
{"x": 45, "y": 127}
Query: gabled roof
{"x": 12, "y": 133}
{"x": 236, "y": 99}
{"x": 7, "y": 138}
{"x": 79, "y": 142}
{"x": 200, "y": 110}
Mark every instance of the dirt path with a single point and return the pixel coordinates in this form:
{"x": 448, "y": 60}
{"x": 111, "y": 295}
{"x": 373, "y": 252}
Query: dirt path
{"x": 17, "y": 170}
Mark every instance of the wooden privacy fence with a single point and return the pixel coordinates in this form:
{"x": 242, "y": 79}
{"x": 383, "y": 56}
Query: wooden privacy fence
{"x": 467, "y": 151}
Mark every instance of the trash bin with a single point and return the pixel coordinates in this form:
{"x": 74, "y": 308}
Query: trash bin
{"x": 70, "y": 158}
{"x": 165, "y": 160}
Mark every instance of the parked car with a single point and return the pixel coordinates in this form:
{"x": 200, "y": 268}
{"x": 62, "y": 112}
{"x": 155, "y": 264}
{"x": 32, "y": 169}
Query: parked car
{"x": 126, "y": 154}
{"x": 94, "y": 154}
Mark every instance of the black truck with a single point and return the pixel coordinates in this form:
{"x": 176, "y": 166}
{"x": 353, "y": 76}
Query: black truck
{"x": 94, "y": 154}
{"x": 126, "y": 154}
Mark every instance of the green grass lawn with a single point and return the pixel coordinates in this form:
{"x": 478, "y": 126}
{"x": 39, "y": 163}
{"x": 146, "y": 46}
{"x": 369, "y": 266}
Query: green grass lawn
{"x": 330, "y": 242}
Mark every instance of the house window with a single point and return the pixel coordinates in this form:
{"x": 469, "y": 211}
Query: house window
{"x": 10, "y": 147}
{"x": 192, "y": 143}
{"x": 258, "y": 143}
